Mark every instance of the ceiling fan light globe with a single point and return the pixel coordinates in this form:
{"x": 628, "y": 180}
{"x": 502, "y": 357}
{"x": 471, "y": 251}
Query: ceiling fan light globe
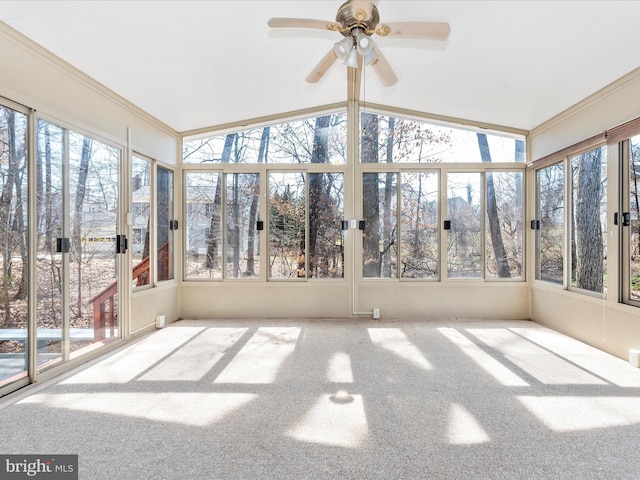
{"x": 364, "y": 45}
{"x": 371, "y": 57}
{"x": 351, "y": 60}
{"x": 343, "y": 47}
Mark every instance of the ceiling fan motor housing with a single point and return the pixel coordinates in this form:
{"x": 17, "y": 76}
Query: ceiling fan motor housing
{"x": 358, "y": 14}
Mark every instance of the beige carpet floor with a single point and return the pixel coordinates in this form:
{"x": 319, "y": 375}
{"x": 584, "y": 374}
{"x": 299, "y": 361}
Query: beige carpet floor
{"x": 340, "y": 399}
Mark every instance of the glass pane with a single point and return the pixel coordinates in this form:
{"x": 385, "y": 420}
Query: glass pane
{"x": 504, "y": 225}
{"x": 589, "y": 219}
{"x": 243, "y": 239}
{"x": 203, "y": 194}
{"x": 634, "y": 224}
{"x": 287, "y": 225}
{"x": 419, "y": 247}
{"x": 464, "y": 239}
{"x": 141, "y": 198}
{"x": 164, "y": 216}
{"x": 93, "y": 198}
{"x": 405, "y": 140}
{"x": 550, "y": 236}
{"x": 326, "y": 248}
{"x": 380, "y": 236}
{"x": 49, "y": 262}
{"x": 13, "y": 261}
{"x": 288, "y": 142}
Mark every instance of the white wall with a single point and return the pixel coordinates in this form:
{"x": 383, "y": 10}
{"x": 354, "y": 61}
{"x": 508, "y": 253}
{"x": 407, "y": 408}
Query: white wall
{"x": 332, "y": 299}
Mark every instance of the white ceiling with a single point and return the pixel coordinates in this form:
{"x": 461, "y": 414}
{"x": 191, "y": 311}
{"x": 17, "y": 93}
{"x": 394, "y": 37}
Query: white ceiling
{"x": 196, "y": 64}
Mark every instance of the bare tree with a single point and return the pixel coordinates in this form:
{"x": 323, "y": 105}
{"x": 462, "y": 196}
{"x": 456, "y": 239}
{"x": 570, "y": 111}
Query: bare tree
{"x": 634, "y": 174}
{"x": 589, "y": 247}
{"x": 388, "y": 221}
{"x": 370, "y": 204}
{"x": 19, "y": 224}
{"x": 317, "y": 200}
{"x": 255, "y": 197}
{"x": 76, "y": 234}
{"x": 6, "y": 205}
{"x": 502, "y": 261}
{"x": 211, "y": 260}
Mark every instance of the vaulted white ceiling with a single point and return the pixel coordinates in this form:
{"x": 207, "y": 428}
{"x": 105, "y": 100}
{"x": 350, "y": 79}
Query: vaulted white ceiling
{"x": 195, "y": 64}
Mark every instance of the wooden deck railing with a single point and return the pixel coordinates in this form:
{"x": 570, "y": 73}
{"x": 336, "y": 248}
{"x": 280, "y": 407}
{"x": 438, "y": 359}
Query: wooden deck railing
{"x": 104, "y": 304}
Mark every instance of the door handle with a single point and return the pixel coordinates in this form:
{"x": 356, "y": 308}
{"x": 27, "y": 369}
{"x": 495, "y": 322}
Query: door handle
{"x": 62, "y": 245}
{"x": 122, "y": 244}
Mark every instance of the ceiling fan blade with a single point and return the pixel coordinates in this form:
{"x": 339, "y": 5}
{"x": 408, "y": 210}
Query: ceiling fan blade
{"x": 383, "y": 69}
{"x": 322, "y": 67}
{"x": 303, "y": 23}
{"x": 428, "y": 30}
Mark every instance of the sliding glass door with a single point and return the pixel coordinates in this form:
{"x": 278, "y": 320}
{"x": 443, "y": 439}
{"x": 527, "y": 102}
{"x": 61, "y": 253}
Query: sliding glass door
{"x": 14, "y": 345}
{"x": 77, "y": 200}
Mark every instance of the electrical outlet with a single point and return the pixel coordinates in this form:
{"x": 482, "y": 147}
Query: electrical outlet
{"x": 376, "y": 313}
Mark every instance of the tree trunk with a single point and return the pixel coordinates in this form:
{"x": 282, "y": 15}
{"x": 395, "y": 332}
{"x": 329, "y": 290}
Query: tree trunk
{"x": 502, "y": 261}
{"x": 589, "y": 241}
{"x": 519, "y": 157}
{"x": 253, "y": 209}
{"x": 212, "y": 242}
{"x": 48, "y": 189}
{"x": 76, "y": 236}
{"x": 235, "y": 231}
{"x": 19, "y": 226}
{"x": 251, "y": 228}
{"x": 388, "y": 223}
{"x": 6, "y": 200}
{"x": 317, "y": 201}
{"x": 633, "y": 172}
{"x": 370, "y": 203}
{"x": 45, "y": 201}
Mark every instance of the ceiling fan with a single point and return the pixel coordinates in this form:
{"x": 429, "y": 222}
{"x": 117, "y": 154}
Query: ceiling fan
{"x": 357, "y": 21}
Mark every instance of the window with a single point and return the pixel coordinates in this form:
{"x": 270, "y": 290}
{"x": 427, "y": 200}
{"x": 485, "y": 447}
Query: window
{"x": 301, "y": 218}
{"x": 241, "y": 234}
{"x": 203, "y": 233}
{"x": 403, "y": 175}
{"x": 13, "y": 221}
{"x": 380, "y": 236}
{"x": 632, "y": 225}
{"x": 289, "y": 142}
{"x": 504, "y": 225}
{"x": 550, "y": 229}
{"x": 464, "y": 238}
{"x": 141, "y": 212}
{"x": 305, "y": 236}
{"x": 419, "y": 225}
{"x": 401, "y": 228}
{"x": 588, "y": 220}
{"x": 164, "y": 223}
{"x": 581, "y": 229}
{"x": 405, "y": 140}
